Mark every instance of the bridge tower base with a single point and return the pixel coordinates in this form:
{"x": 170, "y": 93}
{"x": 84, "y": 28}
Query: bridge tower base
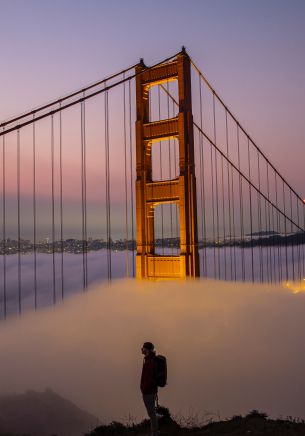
{"x": 181, "y": 190}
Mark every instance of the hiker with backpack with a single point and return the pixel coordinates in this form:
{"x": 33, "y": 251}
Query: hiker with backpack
{"x": 154, "y": 375}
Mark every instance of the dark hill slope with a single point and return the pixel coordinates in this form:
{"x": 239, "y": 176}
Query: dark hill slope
{"x": 43, "y": 414}
{"x": 254, "y": 424}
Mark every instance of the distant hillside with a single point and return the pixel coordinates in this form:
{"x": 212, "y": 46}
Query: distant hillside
{"x": 254, "y": 424}
{"x": 43, "y": 414}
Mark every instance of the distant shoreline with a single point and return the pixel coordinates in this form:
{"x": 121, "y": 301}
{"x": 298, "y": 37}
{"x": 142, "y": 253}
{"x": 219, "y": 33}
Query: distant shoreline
{"x": 77, "y": 246}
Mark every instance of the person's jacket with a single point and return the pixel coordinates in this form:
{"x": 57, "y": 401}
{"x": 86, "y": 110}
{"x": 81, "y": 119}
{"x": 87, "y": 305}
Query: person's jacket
{"x": 148, "y": 378}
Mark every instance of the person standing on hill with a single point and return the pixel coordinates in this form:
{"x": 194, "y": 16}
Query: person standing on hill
{"x": 149, "y": 386}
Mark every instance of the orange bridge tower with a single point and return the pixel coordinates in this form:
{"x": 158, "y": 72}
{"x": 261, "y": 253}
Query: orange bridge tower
{"x": 181, "y": 190}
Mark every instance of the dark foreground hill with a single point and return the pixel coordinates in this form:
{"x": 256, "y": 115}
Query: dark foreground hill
{"x": 253, "y": 424}
{"x": 42, "y": 414}
{"x": 48, "y": 414}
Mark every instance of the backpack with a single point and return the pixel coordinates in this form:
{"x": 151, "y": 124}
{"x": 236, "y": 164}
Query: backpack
{"x": 161, "y": 371}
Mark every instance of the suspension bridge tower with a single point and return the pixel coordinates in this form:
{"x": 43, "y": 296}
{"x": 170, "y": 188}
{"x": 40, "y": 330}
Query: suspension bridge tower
{"x": 181, "y": 190}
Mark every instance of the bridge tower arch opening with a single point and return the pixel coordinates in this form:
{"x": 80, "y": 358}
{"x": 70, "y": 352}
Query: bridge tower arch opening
{"x": 180, "y": 190}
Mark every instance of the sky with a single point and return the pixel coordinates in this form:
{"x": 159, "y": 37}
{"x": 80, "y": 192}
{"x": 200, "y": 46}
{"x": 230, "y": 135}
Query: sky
{"x": 252, "y": 52}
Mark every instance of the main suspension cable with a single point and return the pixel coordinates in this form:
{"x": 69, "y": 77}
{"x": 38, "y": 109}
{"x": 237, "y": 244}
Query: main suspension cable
{"x": 62, "y": 99}
{"x": 77, "y": 101}
{"x": 242, "y": 129}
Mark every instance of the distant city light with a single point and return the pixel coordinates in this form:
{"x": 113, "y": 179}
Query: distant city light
{"x": 295, "y": 286}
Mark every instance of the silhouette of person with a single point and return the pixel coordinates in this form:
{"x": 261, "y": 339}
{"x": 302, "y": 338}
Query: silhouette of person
{"x": 149, "y": 386}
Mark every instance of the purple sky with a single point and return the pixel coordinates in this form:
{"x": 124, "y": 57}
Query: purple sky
{"x": 251, "y": 51}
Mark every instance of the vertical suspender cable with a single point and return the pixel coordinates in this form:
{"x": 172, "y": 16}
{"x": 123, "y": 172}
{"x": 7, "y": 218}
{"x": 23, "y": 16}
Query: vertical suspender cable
{"x": 285, "y": 228}
{"x": 279, "y": 245}
{"x": 233, "y": 223}
{"x": 131, "y": 183}
{"x": 259, "y": 211}
{"x": 303, "y": 242}
{"x": 292, "y": 235}
{"x": 298, "y": 243}
{"x": 151, "y": 243}
{"x": 149, "y": 105}
{"x": 161, "y": 173}
{"x": 204, "y": 248}
{"x": 125, "y": 180}
{"x": 274, "y": 243}
{"x": 34, "y": 215}
{"x": 213, "y": 209}
{"x": 61, "y": 206}
{"x": 202, "y": 186}
{"x": 266, "y": 244}
{"x": 269, "y": 226}
{"x": 177, "y": 236}
{"x": 109, "y": 196}
{"x": 200, "y": 142}
{"x": 241, "y": 212}
{"x": 170, "y": 172}
{"x": 216, "y": 188}
{"x": 4, "y": 224}
{"x": 229, "y": 196}
{"x": 18, "y": 221}
{"x": 85, "y": 191}
{"x": 223, "y": 217}
{"x": 251, "y": 217}
{"x": 107, "y": 187}
{"x": 84, "y": 195}
{"x": 271, "y": 240}
{"x": 82, "y": 190}
{"x": 53, "y": 208}
{"x": 267, "y": 234}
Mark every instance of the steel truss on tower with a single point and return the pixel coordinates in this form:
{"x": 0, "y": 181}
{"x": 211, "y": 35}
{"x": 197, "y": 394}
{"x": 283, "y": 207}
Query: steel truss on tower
{"x": 180, "y": 190}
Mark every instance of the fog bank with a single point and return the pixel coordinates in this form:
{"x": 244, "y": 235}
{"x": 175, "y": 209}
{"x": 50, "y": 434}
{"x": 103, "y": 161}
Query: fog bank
{"x": 230, "y": 348}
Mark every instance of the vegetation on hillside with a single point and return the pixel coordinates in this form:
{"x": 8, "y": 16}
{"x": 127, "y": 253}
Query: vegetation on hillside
{"x": 254, "y": 423}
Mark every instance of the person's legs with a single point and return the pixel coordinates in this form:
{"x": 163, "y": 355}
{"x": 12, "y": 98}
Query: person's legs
{"x": 150, "y": 404}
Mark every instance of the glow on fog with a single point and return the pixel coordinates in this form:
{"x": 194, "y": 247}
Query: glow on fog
{"x": 295, "y": 286}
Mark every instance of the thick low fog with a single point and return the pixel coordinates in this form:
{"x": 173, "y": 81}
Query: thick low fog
{"x": 68, "y": 272}
{"x": 230, "y": 348}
